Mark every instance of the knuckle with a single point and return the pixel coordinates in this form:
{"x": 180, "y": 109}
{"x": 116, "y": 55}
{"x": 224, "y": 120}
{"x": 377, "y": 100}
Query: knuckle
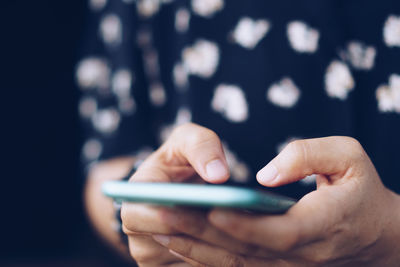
{"x": 354, "y": 145}
{"x": 356, "y": 151}
{"x": 193, "y": 136}
{"x": 201, "y": 136}
{"x": 298, "y": 150}
{"x": 231, "y": 260}
{"x": 299, "y": 147}
{"x": 351, "y": 142}
{"x": 184, "y": 128}
{"x": 199, "y": 140}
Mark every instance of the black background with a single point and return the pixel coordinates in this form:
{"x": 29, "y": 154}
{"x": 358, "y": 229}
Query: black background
{"x": 42, "y": 219}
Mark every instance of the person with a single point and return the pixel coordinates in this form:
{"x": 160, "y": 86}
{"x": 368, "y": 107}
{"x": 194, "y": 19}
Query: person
{"x": 292, "y": 93}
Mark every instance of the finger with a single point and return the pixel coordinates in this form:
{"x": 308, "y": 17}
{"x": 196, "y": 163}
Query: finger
{"x": 187, "y": 260}
{"x": 199, "y": 147}
{"x": 207, "y": 254}
{"x": 305, "y": 222}
{"x": 146, "y": 251}
{"x": 195, "y": 224}
{"x": 144, "y": 218}
{"x": 331, "y": 156}
{"x": 266, "y": 231}
{"x": 179, "y": 264}
{"x": 153, "y": 169}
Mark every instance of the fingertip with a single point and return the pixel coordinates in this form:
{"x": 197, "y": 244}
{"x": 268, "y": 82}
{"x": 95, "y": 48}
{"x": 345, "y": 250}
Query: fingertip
{"x": 269, "y": 175}
{"x": 217, "y": 171}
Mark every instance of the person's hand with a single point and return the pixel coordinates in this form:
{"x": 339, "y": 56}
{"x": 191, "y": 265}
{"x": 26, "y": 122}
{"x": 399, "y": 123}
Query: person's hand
{"x": 350, "y": 220}
{"x": 191, "y": 152}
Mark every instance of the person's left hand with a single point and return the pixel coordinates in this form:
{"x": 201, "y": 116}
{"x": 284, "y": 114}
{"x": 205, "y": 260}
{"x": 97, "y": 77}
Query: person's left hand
{"x": 351, "y": 219}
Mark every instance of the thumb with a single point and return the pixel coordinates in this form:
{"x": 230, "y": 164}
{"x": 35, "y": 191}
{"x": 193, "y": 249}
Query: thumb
{"x": 329, "y": 156}
{"x": 202, "y": 149}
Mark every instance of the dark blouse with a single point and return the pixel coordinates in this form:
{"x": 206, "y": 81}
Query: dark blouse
{"x": 258, "y": 73}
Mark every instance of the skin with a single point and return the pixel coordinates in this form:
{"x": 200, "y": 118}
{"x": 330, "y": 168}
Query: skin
{"x": 351, "y": 219}
{"x": 99, "y": 208}
{"x": 197, "y": 147}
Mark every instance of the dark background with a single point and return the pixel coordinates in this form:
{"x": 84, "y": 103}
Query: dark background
{"x": 42, "y": 218}
{"x": 42, "y": 221}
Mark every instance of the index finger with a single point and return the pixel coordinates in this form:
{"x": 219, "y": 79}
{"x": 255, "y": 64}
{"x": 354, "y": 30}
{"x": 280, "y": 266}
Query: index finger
{"x": 190, "y": 148}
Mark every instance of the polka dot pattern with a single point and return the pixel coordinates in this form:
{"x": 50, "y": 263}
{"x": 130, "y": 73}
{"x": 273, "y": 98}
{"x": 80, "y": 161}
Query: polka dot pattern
{"x": 249, "y": 32}
{"x": 302, "y": 37}
{"x": 201, "y": 58}
{"x": 92, "y": 73}
{"x": 241, "y": 69}
{"x": 182, "y": 18}
{"x": 92, "y": 149}
{"x": 97, "y": 5}
{"x": 284, "y": 93}
{"x": 148, "y": 8}
{"x": 87, "y": 107}
{"x": 207, "y": 8}
{"x": 106, "y": 121}
{"x": 338, "y": 80}
{"x": 391, "y": 31}
{"x": 388, "y": 95}
{"x": 359, "y": 56}
{"x": 230, "y": 101}
{"x": 111, "y": 30}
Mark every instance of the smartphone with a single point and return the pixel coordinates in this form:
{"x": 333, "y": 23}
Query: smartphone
{"x": 198, "y": 195}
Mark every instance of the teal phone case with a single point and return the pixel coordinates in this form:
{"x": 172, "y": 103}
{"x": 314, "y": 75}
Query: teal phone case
{"x": 198, "y": 195}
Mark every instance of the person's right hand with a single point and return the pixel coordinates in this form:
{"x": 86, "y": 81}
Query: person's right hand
{"x": 190, "y": 152}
